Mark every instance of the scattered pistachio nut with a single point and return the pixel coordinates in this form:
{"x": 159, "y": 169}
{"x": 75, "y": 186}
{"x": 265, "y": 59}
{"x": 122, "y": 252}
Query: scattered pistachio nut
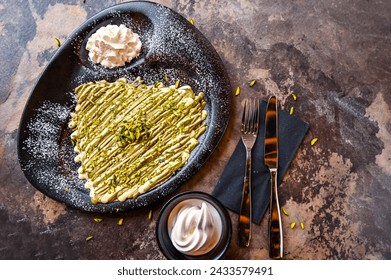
{"x": 292, "y": 225}
{"x": 165, "y": 78}
{"x": 313, "y": 141}
{"x": 120, "y": 221}
{"x": 285, "y": 212}
{"x": 191, "y": 20}
{"x": 294, "y": 96}
{"x": 252, "y": 83}
{"x": 98, "y": 220}
{"x": 89, "y": 238}
{"x": 150, "y": 215}
{"x": 237, "y": 92}
{"x": 177, "y": 83}
{"x": 58, "y": 43}
{"x": 291, "y": 111}
{"x": 302, "y": 225}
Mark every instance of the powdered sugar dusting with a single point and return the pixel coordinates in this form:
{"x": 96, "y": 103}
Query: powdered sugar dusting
{"x": 44, "y": 131}
{"x": 51, "y": 154}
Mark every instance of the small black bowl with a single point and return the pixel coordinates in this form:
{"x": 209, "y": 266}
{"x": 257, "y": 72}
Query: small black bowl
{"x": 162, "y": 230}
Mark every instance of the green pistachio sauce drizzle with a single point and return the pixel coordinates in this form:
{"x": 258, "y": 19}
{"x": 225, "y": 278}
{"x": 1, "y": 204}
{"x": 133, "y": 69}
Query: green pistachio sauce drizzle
{"x": 131, "y": 137}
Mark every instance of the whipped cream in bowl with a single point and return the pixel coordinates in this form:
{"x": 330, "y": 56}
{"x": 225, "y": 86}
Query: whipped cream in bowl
{"x": 113, "y": 46}
{"x": 193, "y": 225}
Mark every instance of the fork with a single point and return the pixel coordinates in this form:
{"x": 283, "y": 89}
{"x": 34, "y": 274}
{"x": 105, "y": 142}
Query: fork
{"x": 248, "y": 133}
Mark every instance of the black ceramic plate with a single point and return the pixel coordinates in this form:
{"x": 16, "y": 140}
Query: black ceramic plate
{"x": 172, "y": 47}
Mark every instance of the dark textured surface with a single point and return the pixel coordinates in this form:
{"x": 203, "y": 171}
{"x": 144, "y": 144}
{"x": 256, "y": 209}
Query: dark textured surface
{"x": 335, "y": 56}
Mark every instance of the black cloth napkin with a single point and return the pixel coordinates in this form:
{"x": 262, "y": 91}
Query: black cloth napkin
{"x": 228, "y": 189}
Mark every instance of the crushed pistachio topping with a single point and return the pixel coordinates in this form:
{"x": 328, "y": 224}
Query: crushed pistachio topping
{"x": 133, "y": 131}
{"x": 131, "y": 137}
{"x": 313, "y": 141}
{"x": 237, "y": 92}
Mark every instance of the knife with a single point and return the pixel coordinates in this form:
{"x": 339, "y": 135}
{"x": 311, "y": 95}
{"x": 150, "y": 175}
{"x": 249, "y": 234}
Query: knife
{"x": 276, "y": 249}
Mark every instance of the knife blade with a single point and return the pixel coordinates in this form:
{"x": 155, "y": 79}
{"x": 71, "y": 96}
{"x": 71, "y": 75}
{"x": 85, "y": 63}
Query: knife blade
{"x": 276, "y": 249}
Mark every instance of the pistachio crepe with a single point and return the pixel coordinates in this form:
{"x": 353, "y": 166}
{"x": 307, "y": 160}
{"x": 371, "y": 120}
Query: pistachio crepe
{"x": 130, "y": 137}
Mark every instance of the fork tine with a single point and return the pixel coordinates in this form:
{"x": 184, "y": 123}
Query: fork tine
{"x": 244, "y": 118}
{"x": 248, "y": 116}
{"x": 256, "y": 115}
{"x": 253, "y": 118}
